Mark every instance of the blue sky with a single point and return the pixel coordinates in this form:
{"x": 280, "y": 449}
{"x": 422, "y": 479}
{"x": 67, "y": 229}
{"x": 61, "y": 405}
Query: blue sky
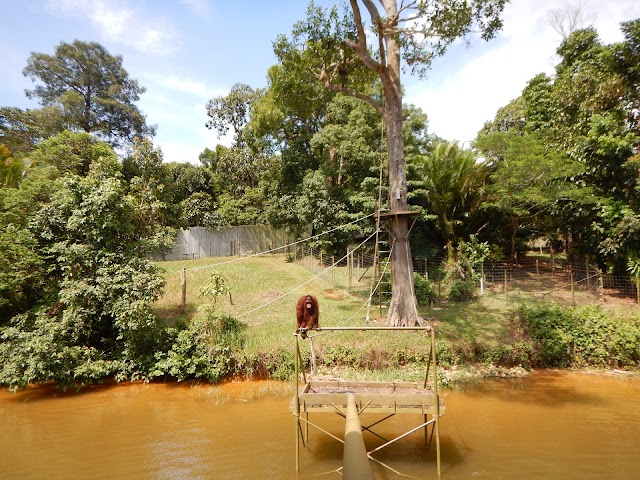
{"x": 187, "y": 51}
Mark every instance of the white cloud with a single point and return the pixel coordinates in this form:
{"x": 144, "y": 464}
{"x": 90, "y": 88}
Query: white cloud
{"x": 458, "y": 100}
{"x": 188, "y": 149}
{"x": 183, "y": 84}
{"x": 118, "y": 23}
{"x": 202, "y": 8}
{"x": 182, "y": 134}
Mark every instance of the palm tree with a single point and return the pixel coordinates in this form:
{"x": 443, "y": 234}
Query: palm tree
{"x": 452, "y": 180}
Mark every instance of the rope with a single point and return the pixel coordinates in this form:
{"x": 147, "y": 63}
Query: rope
{"x": 304, "y": 283}
{"x": 367, "y": 302}
{"x": 279, "y": 248}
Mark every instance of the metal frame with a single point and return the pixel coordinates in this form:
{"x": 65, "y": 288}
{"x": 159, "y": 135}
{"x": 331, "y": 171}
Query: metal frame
{"x": 390, "y": 404}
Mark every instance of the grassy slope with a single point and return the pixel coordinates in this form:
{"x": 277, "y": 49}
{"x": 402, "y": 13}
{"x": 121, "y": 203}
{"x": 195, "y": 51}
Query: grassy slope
{"x": 256, "y": 281}
{"x": 466, "y": 332}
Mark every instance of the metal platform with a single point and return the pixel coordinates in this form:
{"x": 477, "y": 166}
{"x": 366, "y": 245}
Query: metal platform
{"x": 376, "y": 397}
{"x": 385, "y": 398}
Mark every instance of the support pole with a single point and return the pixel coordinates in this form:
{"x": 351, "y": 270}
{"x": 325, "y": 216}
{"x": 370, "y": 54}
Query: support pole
{"x": 314, "y": 367}
{"x": 506, "y": 297}
{"x": 437, "y": 396}
{"x": 297, "y": 424}
{"x": 349, "y": 266}
{"x": 355, "y": 460}
{"x": 183, "y": 282}
{"x": 601, "y": 287}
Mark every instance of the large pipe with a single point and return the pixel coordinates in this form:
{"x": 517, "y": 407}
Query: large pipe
{"x": 355, "y": 461}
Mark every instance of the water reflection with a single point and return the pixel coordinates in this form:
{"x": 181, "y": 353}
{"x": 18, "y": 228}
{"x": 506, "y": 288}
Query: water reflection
{"x": 548, "y": 425}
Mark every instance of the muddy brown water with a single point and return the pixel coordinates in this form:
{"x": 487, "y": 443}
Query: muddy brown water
{"x": 545, "y": 426}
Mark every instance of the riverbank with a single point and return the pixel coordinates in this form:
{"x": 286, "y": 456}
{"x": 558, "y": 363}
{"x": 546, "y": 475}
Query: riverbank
{"x": 486, "y": 337}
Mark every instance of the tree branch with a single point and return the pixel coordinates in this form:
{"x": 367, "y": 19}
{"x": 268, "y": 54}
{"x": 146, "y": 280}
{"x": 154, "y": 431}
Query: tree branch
{"x": 354, "y": 93}
{"x": 373, "y": 11}
{"x": 409, "y": 6}
{"x": 361, "y": 47}
{"x": 61, "y": 78}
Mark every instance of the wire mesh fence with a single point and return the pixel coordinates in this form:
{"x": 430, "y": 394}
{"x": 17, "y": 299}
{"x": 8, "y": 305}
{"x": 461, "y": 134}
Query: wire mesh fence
{"x": 548, "y": 279}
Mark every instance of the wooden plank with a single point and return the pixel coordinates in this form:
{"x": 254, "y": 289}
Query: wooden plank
{"x": 349, "y": 384}
{"x": 423, "y": 410}
{"x": 376, "y": 399}
{"x": 380, "y": 397}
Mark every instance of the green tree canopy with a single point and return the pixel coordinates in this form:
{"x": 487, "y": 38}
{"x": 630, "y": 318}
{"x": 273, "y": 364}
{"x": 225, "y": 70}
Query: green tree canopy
{"x": 91, "y": 89}
{"x": 345, "y": 52}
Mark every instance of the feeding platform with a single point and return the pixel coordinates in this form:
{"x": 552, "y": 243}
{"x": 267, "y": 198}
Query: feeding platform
{"x": 377, "y": 397}
{"x": 384, "y": 398}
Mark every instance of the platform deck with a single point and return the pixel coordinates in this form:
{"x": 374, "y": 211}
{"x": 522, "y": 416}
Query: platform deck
{"x": 377, "y": 397}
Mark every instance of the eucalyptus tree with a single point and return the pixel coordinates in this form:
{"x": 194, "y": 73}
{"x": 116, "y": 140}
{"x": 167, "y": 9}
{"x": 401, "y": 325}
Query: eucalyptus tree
{"x": 91, "y": 90}
{"x": 345, "y": 52}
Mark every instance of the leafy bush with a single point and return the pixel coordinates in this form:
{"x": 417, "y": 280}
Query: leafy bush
{"x": 580, "y": 337}
{"x": 37, "y": 348}
{"x": 207, "y": 348}
{"x": 423, "y": 289}
{"x": 510, "y": 355}
{"x": 461, "y": 290}
{"x": 279, "y": 365}
{"x": 445, "y": 354}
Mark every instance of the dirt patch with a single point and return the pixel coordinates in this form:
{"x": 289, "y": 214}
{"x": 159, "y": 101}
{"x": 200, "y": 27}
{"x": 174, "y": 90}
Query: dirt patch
{"x": 332, "y": 294}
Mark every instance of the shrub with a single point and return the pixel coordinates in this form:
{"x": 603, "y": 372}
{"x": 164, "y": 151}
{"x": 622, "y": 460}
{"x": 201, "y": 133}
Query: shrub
{"x": 279, "y": 364}
{"x": 423, "y": 289}
{"x": 445, "y": 355}
{"x": 580, "y": 337}
{"x": 461, "y": 290}
{"x": 207, "y": 348}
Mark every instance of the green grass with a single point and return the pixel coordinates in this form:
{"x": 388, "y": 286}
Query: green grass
{"x": 265, "y": 289}
{"x": 264, "y": 294}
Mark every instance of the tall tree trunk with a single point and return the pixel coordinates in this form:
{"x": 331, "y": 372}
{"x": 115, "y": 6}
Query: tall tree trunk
{"x": 403, "y": 310}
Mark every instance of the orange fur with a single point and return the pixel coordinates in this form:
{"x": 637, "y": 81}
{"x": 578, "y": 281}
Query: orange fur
{"x": 307, "y": 314}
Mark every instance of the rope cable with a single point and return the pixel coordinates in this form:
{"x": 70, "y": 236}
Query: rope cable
{"x": 304, "y": 283}
{"x": 279, "y": 248}
{"x": 367, "y": 302}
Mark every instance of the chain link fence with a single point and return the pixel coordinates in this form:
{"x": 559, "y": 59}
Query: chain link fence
{"x": 542, "y": 278}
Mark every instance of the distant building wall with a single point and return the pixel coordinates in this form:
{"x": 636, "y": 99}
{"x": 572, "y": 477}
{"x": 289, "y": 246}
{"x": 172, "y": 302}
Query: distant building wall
{"x": 200, "y": 242}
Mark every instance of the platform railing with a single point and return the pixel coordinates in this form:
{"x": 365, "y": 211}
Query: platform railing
{"x": 360, "y": 458}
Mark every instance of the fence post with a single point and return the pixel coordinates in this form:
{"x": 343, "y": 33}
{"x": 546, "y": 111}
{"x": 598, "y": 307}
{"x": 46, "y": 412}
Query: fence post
{"x": 638, "y": 289}
{"x": 586, "y": 264}
{"x": 183, "y": 282}
{"x": 601, "y": 286}
{"x": 333, "y": 269}
{"x": 537, "y": 268}
{"x": 505, "y": 281}
{"x": 349, "y": 266}
{"x": 573, "y": 292}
